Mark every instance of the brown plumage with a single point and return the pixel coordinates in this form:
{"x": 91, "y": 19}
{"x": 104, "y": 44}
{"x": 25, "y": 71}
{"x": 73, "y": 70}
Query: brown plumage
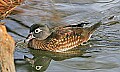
{"x": 62, "y": 38}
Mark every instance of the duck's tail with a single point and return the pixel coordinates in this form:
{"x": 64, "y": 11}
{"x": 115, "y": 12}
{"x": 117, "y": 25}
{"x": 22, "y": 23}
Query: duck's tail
{"x": 94, "y": 27}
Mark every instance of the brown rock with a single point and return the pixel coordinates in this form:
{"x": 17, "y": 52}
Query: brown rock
{"x": 7, "y": 46}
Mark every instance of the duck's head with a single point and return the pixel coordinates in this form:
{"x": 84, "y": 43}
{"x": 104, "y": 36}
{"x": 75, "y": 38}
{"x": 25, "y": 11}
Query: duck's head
{"x": 38, "y": 31}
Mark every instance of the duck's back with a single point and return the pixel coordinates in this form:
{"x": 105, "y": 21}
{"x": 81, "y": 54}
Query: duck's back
{"x": 66, "y": 38}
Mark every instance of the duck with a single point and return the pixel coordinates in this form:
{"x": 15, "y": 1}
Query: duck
{"x": 59, "y": 39}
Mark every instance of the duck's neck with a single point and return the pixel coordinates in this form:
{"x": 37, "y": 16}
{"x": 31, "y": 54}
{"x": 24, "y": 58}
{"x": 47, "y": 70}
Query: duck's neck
{"x": 37, "y": 44}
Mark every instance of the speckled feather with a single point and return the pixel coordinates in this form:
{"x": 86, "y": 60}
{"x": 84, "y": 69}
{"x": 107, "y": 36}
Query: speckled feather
{"x": 64, "y": 38}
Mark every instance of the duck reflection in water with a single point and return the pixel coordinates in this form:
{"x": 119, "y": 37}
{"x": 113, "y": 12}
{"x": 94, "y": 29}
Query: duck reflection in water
{"x": 41, "y": 60}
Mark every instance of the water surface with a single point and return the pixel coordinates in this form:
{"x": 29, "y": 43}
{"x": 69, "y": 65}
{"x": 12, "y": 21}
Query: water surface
{"x": 100, "y": 54}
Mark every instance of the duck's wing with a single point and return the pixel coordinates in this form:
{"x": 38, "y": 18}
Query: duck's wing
{"x": 73, "y": 30}
{"x": 65, "y": 32}
{"x": 64, "y": 39}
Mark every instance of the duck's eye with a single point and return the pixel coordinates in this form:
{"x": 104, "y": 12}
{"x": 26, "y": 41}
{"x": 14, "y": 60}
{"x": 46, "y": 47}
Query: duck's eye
{"x": 37, "y": 30}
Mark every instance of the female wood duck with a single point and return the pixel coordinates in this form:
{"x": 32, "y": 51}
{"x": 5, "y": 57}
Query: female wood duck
{"x": 60, "y": 39}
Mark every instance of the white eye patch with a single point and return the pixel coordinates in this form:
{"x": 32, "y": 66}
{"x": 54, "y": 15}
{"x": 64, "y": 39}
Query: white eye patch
{"x": 37, "y": 30}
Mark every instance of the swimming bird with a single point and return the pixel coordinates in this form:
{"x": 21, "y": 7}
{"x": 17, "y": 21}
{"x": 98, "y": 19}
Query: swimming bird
{"x": 60, "y": 38}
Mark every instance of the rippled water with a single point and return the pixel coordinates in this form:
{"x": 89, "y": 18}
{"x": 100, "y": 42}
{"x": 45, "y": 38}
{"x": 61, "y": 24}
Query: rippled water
{"x": 100, "y": 54}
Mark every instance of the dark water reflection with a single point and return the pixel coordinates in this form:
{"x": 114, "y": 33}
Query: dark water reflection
{"x": 100, "y": 54}
{"x": 43, "y": 58}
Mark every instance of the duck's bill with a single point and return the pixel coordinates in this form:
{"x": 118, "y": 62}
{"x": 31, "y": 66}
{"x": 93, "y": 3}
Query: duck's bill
{"x": 29, "y": 37}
